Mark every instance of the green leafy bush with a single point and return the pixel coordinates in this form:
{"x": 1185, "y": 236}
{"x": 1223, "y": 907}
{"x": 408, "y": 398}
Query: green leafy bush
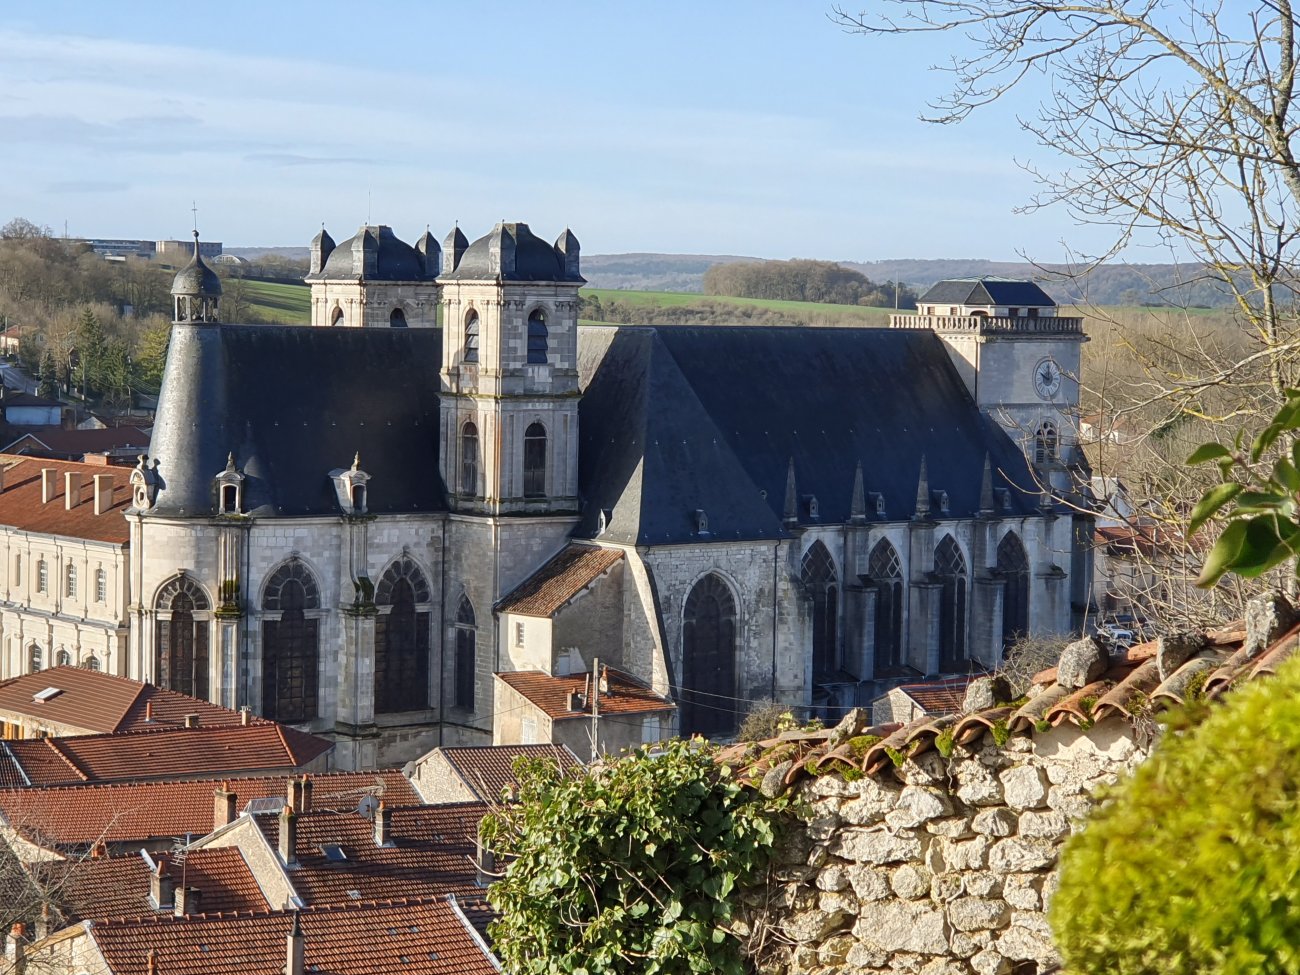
{"x": 628, "y": 867}
{"x": 1193, "y": 866}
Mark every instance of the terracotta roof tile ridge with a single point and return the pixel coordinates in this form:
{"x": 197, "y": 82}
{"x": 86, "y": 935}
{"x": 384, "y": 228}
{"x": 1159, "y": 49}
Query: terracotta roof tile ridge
{"x": 126, "y": 711}
{"x": 54, "y": 744}
{"x": 8, "y": 753}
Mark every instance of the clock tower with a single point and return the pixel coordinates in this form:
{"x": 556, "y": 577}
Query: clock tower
{"x": 1019, "y": 358}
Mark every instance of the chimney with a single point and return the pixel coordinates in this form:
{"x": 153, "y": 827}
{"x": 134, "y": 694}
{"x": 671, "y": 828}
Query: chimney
{"x": 245, "y": 715}
{"x": 294, "y": 960}
{"x": 485, "y": 863}
{"x": 223, "y": 806}
{"x": 188, "y": 901}
{"x": 383, "y": 825}
{"x": 288, "y": 836}
{"x": 49, "y": 484}
{"x": 71, "y": 489}
{"x": 576, "y": 701}
{"x": 14, "y": 952}
{"x": 43, "y": 923}
{"x": 103, "y": 493}
{"x": 162, "y": 889}
{"x": 300, "y": 793}
{"x": 148, "y": 712}
{"x": 191, "y": 720}
{"x": 151, "y": 962}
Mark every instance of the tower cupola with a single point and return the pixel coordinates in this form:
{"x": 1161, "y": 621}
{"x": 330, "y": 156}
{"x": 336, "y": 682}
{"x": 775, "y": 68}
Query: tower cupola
{"x": 196, "y": 291}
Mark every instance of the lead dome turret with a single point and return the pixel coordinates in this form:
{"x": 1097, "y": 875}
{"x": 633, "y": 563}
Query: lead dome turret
{"x": 196, "y": 290}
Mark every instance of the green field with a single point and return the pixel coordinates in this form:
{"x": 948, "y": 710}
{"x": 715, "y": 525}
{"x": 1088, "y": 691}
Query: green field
{"x": 276, "y": 303}
{"x": 848, "y": 314}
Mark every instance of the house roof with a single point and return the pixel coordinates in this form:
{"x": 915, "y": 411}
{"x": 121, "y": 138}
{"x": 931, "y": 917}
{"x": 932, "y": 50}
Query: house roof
{"x": 1144, "y": 680}
{"x": 99, "y": 702}
{"x": 431, "y": 851}
{"x": 65, "y": 444}
{"x": 680, "y": 419}
{"x": 21, "y": 506}
{"x": 118, "y": 886}
{"x": 133, "y": 812}
{"x": 569, "y": 572}
{"x": 394, "y": 937}
{"x": 987, "y": 291}
{"x": 938, "y": 697}
{"x": 626, "y": 695}
{"x": 488, "y": 770}
{"x": 162, "y": 754}
{"x": 26, "y": 399}
{"x": 292, "y": 404}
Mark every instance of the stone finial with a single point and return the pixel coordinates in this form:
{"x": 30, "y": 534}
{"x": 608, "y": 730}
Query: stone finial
{"x": 923, "y": 491}
{"x": 453, "y": 248}
{"x": 356, "y": 461}
{"x": 1267, "y": 618}
{"x": 790, "y": 513}
{"x": 986, "y": 488}
{"x": 568, "y": 250}
{"x": 430, "y": 254}
{"x": 1081, "y": 663}
{"x": 858, "y": 502}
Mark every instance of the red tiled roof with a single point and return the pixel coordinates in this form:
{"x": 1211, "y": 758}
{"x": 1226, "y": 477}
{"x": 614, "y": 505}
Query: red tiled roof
{"x": 163, "y": 754}
{"x": 626, "y": 695}
{"x": 105, "y": 703}
{"x": 559, "y": 580}
{"x": 21, "y": 505}
{"x": 937, "y": 697}
{"x": 398, "y": 937}
{"x": 488, "y": 770}
{"x": 134, "y": 812}
{"x": 118, "y": 886}
{"x": 431, "y": 852}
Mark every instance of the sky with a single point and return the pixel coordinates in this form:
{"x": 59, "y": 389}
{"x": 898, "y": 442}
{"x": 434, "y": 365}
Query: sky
{"x": 756, "y": 129}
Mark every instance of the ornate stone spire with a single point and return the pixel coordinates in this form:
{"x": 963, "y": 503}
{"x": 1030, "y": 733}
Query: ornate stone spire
{"x": 986, "y": 488}
{"x": 858, "y": 503}
{"x": 790, "y": 516}
{"x": 923, "y": 492}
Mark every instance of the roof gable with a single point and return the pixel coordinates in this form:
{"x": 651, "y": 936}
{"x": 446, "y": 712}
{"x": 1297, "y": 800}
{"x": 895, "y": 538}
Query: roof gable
{"x": 987, "y": 291}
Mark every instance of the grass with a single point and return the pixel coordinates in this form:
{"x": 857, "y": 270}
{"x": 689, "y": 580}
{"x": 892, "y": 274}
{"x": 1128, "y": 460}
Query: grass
{"x": 278, "y": 303}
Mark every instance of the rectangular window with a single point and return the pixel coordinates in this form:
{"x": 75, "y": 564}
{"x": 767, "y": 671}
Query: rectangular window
{"x": 70, "y": 581}
{"x": 519, "y": 634}
{"x": 42, "y": 577}
{"x": 101, "y": 586}
{"x": 18, "y": 570}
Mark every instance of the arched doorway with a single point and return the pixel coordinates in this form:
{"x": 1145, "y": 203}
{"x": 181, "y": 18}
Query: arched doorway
{"x": 708, "y": 693}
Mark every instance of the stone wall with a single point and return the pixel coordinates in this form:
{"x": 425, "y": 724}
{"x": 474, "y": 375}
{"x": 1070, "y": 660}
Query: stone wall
{"x": 944, "y": 866}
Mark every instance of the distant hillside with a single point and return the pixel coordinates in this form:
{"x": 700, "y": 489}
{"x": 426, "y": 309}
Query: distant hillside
{"x": 652, "y": 272}
{"x": 289, "y": 253}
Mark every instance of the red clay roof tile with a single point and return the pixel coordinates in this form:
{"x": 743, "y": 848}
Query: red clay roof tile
{"x": 21, "y": 506}
{"x": 488, "y": 770}
{"x": 626, "y": 695}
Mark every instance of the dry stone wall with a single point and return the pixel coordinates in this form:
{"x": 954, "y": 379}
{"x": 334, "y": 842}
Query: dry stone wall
{"x": 944, "y": 867}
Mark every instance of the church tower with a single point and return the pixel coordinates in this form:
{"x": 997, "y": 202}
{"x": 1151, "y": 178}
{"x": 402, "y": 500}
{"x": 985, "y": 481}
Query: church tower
{"x": 510, "y": 372}
{"x": 374, "y": 280}
{"x": 1019, "y": 358}
{"x": 196, "y": 291}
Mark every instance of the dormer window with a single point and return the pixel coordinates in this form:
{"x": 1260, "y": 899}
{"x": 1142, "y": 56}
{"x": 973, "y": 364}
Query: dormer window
{"x": 351, "y": 487}
{"x": 701, "y": 522}
{"x": 939, "y": 499}
{"x": 537, "y": 337}
{"x": 230, "y": 489}
{"x": 877, "y": 502}
{"x": 811, "y": 506}
{"x": 144, "y": 484}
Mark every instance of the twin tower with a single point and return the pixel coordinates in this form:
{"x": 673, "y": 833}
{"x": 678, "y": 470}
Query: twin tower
{"x": 508, "y": 307}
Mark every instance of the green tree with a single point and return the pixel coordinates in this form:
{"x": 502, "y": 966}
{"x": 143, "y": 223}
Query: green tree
{"x": 1192, "y": 866}
{"x": 48, "y": 385}
{"x": 631, "y": 866}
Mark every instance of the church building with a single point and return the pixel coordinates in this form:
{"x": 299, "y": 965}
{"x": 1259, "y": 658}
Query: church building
{"x": 446, "y": 513}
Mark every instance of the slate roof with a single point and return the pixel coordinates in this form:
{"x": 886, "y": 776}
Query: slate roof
{"x": 105, "y": 703}
{"x": 488, "y": 770}
{"x": 136, "y": 812}
{"x": 569, "y": 572}
{"x": 431, "y": 851}
{"x": 292, "y": 404}
{"x": 1143, "y": 680}
{"x": 987, "y": 291}
{"x": 395, "y": 260}
{"x": 626, "y": 694}
{"x": 511, "y": 252}
{"x": 21, "y": 506}
{"x": 118, "y": 886}
{"x": 677, "y": 419}
{"x": 162, "y": 754}
{"x": 394, "y": 937}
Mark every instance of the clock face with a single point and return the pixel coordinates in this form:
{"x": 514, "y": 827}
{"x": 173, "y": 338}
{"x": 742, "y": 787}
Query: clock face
{"x": 1047, "y": 378}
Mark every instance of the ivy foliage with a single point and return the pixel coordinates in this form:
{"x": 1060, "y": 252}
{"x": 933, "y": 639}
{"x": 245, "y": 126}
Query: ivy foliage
{"x": 1193, "y": 866}
{"x": 630, "y": 866}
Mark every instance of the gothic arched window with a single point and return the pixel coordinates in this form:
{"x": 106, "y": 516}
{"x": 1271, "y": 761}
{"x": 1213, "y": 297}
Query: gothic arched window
{"x": 950, "y": 567}
{"x": 1045, "y": 443}
{"x": 92, "y": 663}
{"x": 181, "y": 637}
{"x": 336, "y": 317}
{"x": 397, "y": 318}
{"x": 535, "y": 461}
{"x": 62, "y": 659}
{"x": 537, "y": 336}
{"x": 886, "y": 574}
{"x": 471, "y": 337}
{"x": 469, "y": 459}
{"x": 708, "y": 692}
{"x": 1013, "y": 565}
{"x": 466, "y": 637}
{"x": 817, "y": 573}
{"x": 290, "y": 644}
{"x": 402, "y": 639}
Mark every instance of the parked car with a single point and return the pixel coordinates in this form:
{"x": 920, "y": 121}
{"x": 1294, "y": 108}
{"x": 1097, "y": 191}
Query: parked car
{"x": 1116, "y": 635}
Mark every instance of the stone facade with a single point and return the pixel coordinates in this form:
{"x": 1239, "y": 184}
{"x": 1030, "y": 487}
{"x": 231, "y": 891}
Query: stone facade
{"x": 944, "y": 866}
